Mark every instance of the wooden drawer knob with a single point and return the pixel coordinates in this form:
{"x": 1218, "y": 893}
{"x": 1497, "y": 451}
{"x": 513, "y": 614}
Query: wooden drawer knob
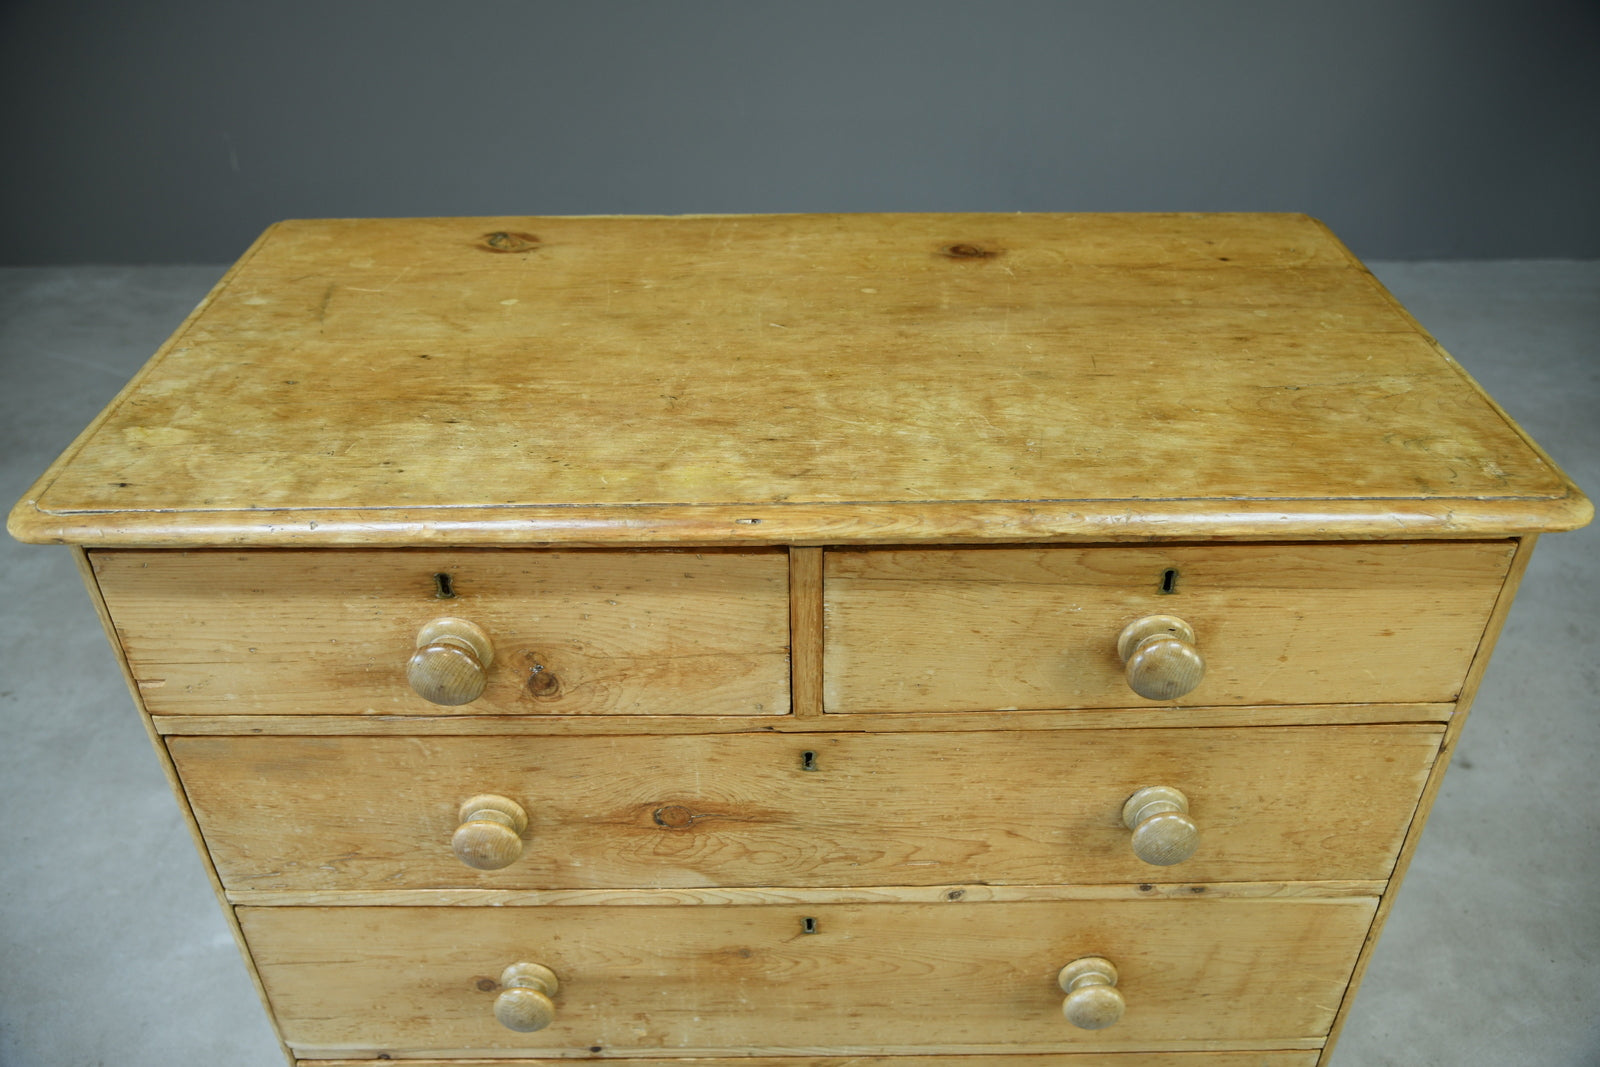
{"x": 524, "y": 1002}
{"x": 1163, "y": 833}
{"x": 490, "y": 834}
{"x": 1093, "y": 1002}
{"x": 1159, "y": 657}
{"x": 451, "y": 663}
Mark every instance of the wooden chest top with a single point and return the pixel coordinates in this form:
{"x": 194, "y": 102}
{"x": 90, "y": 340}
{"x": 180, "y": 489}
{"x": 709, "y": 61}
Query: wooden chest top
{"x": 797, "y": 379}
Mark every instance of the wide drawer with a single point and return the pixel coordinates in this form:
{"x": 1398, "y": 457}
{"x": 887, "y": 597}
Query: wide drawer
{"x": 965, "y": 977}
{"x": 579, "y": 632}
{"x": 976, "y": 629}
{"x": 1044, "y": 807}
{"x": 1046, "y": 1059}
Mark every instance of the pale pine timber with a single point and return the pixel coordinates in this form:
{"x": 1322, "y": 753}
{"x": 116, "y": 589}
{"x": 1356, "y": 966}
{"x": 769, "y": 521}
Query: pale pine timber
{"x": 575, "y": 633}
{"x": 993, "y": 628}
{"x": 1060, "y": 1059}
{"x": 543, "y": 726}
{"x": 351, "y": 813}
{"x": 835, "y": 1053}
{"x": 713, "y": 525}
{"x": 932, "y": 770}
{"x": 1430, "y": 790}
{"x": 805, "y": 632}
{"x": 926, "y": 976}
{"x": 877, "y": 894}
{"x": 796, "y": 379}
{"x": 91, "y": 584}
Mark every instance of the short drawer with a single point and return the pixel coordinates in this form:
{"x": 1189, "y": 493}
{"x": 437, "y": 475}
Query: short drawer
{"x": 974, "y": 629}
{"x": 381, "y": 813}
{"x": 807, "y": 977}
{"x": 578, "y": 632}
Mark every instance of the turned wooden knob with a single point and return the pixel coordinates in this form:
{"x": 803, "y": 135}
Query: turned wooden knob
{"x": 490, "y": 834}
{"x": 1093, "y": 1002}
{"x": 451, "y": 663}
{"x": 1163, "y": 833}
{"x": 1159, "y": 657}
{"x": 524, "y": 1002}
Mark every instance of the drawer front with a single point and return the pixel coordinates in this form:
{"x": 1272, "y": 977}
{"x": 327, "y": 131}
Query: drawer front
{"x": 321, "y": 632}
{"x": 1035, "y": 628}
{"x": 365, "y": 813}
{"x": 876, "y": 976}
{"x": 1046, "y": 1059}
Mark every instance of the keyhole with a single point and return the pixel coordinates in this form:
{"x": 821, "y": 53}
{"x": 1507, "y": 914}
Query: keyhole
{"x": 808, "y": 925}
{"x": 444, "y": 586}
{"x": 808, "y": 761}
{"x": 1169, "y": 581}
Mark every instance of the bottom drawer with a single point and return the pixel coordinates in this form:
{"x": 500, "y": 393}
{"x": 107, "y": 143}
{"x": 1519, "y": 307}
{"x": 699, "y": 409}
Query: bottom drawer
{"x": 1059, "y": 1059}
{"x": 973, "y": 977}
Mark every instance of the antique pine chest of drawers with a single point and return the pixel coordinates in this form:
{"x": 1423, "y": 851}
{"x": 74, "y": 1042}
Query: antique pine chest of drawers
{"x": 773, "y": 640}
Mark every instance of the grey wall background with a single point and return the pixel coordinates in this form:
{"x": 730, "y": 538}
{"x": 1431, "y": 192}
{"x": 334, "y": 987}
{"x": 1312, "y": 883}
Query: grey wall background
{"x": 175, "y": 131}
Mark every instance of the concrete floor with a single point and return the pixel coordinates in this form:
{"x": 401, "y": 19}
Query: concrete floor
{"x": 113, "y": 951}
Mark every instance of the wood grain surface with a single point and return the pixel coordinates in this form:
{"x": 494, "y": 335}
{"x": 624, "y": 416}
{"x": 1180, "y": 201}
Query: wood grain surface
{"x": 350, "y": 813}
{"x": 85, "y": 568}
{"x": 1058, "y": 1059}
{"x": 544, "y": 726}
{"x": 822, "y": 749}
{"x": 805, "y": 632}
{"x": 893, "y": 976}
{"x": 806, "y": 379}
{"x": 575, "y": 633}
{"x": 1430, "y": 790}
{"x": 876, "y": 894}
{"x": 978, "y": 629}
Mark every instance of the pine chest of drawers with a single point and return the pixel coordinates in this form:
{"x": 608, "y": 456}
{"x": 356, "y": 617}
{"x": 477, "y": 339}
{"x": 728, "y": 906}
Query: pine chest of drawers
{"x": 784, "y": 639}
